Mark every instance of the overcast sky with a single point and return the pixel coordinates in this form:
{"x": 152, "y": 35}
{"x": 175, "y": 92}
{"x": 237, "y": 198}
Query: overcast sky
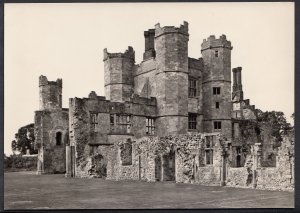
{"x": 67, "y": 41}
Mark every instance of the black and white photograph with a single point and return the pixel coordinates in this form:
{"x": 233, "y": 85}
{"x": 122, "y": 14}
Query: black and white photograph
{"x": 186, "y": 105}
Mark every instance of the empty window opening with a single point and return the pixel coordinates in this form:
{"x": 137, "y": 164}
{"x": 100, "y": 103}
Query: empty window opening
{"x": 238, "y": 151}
{"x": 126, "y": 154}
{"x": 238, "y": 161}
{"x": 217, "y": 53}
{"x": 94, "y": 120}
{"x": 124, "y": 123}
{"x": 217, "y": 125}
{"x": 238, "y": 157}
{"x": 257, "y": 130}
{"x": 192, "y": 121}
{"x": 192, "y": 87}
{"x": 58, "y": 138}
{"x": 112, "y": 120}
{"x": 217, "y": 105}
{"x": 216, "y": 90}
{"x": 150, "y": 126}
{"x": 209, "y": 150}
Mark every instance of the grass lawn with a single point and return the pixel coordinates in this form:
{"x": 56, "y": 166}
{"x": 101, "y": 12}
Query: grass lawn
{"x": 25, "y": 190}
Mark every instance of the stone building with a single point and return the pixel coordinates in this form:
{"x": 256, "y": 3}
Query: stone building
{"x": 168, "y": 94}
{"x": 51, "y": 127}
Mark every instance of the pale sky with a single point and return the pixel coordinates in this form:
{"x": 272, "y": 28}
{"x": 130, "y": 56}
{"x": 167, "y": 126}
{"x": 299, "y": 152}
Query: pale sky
{"x": 67, "y": 41}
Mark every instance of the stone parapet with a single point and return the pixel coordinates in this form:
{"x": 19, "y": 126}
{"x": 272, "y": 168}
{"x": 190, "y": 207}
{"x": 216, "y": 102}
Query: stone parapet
{"x": 183, "y": 29}
{"x": 212, "y": 42}
{"x": 129, "y": 53}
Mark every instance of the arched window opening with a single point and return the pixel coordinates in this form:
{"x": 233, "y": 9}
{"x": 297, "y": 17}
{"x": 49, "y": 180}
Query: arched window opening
{"x": 58, "y": 138}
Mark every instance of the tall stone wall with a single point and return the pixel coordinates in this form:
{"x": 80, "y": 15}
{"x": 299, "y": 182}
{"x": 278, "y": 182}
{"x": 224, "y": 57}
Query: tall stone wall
{"x": 145, "y": 78}
{"x": 48, "y": 124}
{"x": 188, "y": 168}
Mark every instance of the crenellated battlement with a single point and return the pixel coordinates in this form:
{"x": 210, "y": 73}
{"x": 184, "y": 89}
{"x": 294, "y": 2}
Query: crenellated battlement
{"x": 43, "y": 81}
{"x": 149, "y": 32}
{"x": 183, "y": 29}
{"x": 129, "y": 53}
{"x": 50, "y": 94}
{"x": 212, "y": 42}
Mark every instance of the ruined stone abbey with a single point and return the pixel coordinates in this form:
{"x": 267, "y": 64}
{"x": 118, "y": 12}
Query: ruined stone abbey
{"x": 170, "y": 117}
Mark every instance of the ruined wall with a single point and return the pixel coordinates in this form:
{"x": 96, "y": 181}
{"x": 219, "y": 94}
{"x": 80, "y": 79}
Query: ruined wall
{"x": 79, "y": 130}
{"x": 49, "y": 125}
{"x": 238, "y": 177}
{"x": 268, "y": 144}
{"x": 50, "y": 93}
{"x": 209, "y": 175}
{"x": 142, "y": 166}
{"x": 243, "y": 110}
{"x": 190, "y": 162}
{"x": 149, "y": 44}
{"x": 91, "y": 124}
{"x": 280, "y": 177}
{"x": 187, "y": 167}
{"x": 95, "y": 164}
{"x": 124, "y": 172}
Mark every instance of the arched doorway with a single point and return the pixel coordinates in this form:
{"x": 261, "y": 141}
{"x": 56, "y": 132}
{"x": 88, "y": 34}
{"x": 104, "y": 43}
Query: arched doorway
{"x": 58, "y": 138}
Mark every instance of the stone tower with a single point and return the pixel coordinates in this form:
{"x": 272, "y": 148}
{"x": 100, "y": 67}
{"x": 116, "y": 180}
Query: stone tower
{"x": 216, "y": 85}
{"x": 118, "y": 75}
{"x": 51, "y": 127}
{"x": 171, "y": 49}
{"x": 50, "y": 93}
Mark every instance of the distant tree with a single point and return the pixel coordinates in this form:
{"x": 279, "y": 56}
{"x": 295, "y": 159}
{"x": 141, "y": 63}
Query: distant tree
{"x": 293, "y": 127}
{"x": 277, "y": 121}
{"x": 293, "y": 116}
{"x": 24, "y": 140}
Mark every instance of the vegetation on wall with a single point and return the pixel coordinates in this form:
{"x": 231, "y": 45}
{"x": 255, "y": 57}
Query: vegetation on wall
{"x": 278, "y": 122}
